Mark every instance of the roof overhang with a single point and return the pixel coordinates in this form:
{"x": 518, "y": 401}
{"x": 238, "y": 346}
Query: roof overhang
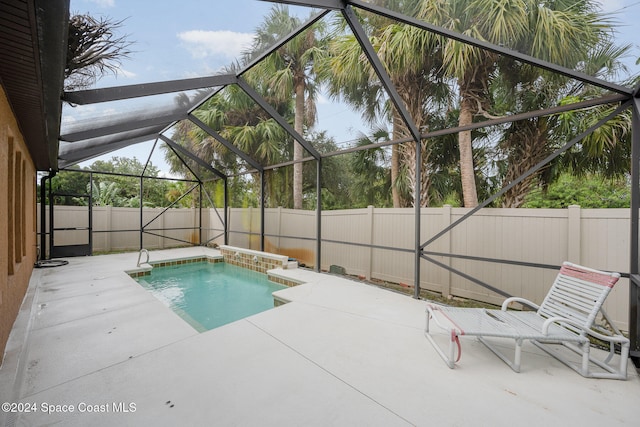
{"x": 33, "y": 42}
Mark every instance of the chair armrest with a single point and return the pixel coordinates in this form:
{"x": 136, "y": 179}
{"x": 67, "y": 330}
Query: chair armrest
{"x": 523, "y": 301}
{"x": 608, "y": 338}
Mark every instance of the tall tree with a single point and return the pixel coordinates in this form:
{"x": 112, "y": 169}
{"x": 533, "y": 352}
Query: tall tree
{"x": 372, "y": 177}
{"x": 290, "y": 70}
{"x": 412, "y": 58}
{"x": 525, "y": 143}
{"x": 522, "y": 88}
{"x": 239, "y": 120}
{"x": 559, "y": 31}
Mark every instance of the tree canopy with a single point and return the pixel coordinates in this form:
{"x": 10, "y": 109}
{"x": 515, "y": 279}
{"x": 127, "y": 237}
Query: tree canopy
{"x": 443, "y": 84}
{"x": 117, "y": 186}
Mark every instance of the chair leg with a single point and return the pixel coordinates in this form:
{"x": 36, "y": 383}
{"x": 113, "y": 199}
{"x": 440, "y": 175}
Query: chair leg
{"x": 515, "y": 364}
{"x": 584, "y": 368}
{"x": 518, "y": 355}
{"x": 449, "y": 360}
{"x": 585, "y": 359}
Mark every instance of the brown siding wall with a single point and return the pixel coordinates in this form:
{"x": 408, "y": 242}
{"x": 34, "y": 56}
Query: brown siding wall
{"x": 17, "y": 219}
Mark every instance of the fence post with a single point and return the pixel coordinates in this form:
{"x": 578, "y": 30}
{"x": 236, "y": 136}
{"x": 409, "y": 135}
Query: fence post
{"x": 446, "y": 247}
{"x": 162, "y": 231}
{"x": 250, "y": 235}
{"x": 574, "y": 244}
{"x": 109, "y": 227}
{"x": 279, "y": 248}
{"x": 369, "y": 267}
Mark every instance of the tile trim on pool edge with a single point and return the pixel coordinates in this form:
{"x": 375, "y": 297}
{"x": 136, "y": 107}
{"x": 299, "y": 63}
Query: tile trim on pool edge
{"x": 213, "y": 260}
{"x": 172, "y": 262}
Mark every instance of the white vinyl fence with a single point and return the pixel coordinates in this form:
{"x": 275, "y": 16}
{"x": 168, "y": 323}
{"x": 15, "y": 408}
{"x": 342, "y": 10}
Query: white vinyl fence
{"x": 377, "y": 243}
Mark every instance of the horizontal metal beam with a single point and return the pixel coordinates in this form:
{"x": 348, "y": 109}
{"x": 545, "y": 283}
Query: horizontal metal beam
{"x": 69, "y": 155}
{"x": 123, "y": 127}
{"x": 580, "y": 76}
{"x": 150, "y": 132}
{"x": 608, "y": 99}
{"x": 83, "y": 97}
{"x": 466, "y": 276}
{"x": 324, "y": 4}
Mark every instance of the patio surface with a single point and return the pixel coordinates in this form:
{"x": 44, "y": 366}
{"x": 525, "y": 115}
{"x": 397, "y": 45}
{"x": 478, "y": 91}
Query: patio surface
{"x": 341, "y": 353}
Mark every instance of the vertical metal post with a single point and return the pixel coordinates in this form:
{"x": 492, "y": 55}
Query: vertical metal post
{"x": 418, "y": 203}
{"x": 91, "y": 213}
{"x": 43, "y": 214}
{"x": 141, "y": 219}
{"x": 51, "y": 204}
{"x": 318, "y": 214}
{"x": 226, "y": 211}
{"x": 634, "y": 281}
{"x": 262, "y": 184}
{"x": 200, "y": 214}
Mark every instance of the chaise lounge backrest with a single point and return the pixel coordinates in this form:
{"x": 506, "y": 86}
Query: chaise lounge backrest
{"x": 578, "y": 294}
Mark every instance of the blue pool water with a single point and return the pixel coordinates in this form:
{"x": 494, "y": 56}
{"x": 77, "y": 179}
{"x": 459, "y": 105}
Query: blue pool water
{"x": 209, "y": 295}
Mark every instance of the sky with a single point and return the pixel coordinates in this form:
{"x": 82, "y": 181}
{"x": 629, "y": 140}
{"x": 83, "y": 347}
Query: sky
{"x": 193, "y": 38}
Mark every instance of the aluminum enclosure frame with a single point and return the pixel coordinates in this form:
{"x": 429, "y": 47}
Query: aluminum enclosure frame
{"x": 627, "y": 97}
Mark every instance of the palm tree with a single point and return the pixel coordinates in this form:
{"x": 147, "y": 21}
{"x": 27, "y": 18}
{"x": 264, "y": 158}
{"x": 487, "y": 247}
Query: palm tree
{"x": 525, "y": 143}
{"x": 412, "y": 59}
{"x": 371, "y": 176}
{"x": 239, "y": 120}
{"x": 559, "y": 31}
{"x": 289, "y": 70}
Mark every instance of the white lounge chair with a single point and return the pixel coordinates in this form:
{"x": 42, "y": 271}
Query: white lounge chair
{"x": 567, "y": 316}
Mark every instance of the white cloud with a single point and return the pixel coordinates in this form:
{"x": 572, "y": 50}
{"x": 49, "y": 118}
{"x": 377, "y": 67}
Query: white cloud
{"x": 202, "y": 44}
{"x": 103, "y": 3}
{"x": 126, "y": 74}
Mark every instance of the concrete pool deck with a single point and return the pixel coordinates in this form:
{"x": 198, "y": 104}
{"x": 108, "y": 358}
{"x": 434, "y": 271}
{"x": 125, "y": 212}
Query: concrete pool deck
{"x": 340, "y": 353}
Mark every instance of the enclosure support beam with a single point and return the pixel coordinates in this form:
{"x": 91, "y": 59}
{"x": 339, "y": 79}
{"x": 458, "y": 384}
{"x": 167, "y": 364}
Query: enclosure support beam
{"x": 97, "y": 132}
{"x": 92, "y": 96}
{"x": 262, "y": 183}
{"x": 328, "y": 4}
{"x": 226, "y": 212}
{"x": 277, "y": 117}
{"x": 318, "y": 214}
{"x": 418, "y": 225}
{"x": 522, "y": 177}
{"x": 193, "y": 157}
{"x": 141, "y": 214}
{"x": 607, "y": 99}
{"x": 244, "y": 156}
{"x": 286, "y": 39}
{"x": 385, "y": 79}
{"x": 200, "y": 214}
{"x": 51, "y": 203}
{"x": 453, "y": 35}
{"x": 43, "y": 219}
{"x": 634, "y": 267}
{"x": 530, "y": 172}
{"x": 381, "y": 72}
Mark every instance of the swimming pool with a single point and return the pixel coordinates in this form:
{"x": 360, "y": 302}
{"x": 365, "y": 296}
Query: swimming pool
{"x": 209, "y": 295}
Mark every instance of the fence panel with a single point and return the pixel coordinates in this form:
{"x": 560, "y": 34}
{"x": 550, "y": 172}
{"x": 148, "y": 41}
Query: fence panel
{"x": 598, "y": 238}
